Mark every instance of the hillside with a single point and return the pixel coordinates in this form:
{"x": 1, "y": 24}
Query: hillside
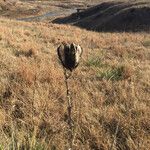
{"x": 20, "y": 9}
{"x": 110, "y": 89}
{"x": 112, "y": 16}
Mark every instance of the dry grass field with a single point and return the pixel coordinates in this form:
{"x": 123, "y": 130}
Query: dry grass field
{"x": 110, "y": 89}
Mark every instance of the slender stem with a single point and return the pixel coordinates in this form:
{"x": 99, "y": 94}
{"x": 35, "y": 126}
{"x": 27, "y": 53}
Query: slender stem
{"x": 69, "y": 108}
{"x": 115, "y": 135}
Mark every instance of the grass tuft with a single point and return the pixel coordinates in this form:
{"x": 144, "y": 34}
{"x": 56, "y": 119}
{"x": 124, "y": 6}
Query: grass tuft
{"x": 116, "y": 73}
{"x": 28, "y": 53}
{"x": 146, "y": 43}
{"x": 96, "y": 62}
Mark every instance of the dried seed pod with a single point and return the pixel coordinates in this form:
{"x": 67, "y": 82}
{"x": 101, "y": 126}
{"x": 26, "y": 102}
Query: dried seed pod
{"x": 69, "y": 55}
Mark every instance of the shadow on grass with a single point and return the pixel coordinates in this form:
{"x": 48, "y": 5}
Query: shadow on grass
{"x": 112, "y": 17}
{"x": 117, "y": 131}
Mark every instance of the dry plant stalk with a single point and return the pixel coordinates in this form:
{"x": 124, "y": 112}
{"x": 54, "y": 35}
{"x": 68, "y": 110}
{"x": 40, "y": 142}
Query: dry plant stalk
{"x": 69, "y": 109}
{"x": 69, "y": 55}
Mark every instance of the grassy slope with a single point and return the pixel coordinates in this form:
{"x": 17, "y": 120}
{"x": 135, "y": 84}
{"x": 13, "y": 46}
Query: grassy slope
{"x": 110, "y": 89}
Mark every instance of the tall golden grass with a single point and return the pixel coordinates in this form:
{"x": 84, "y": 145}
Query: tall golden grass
{"x": 110, "y": 89}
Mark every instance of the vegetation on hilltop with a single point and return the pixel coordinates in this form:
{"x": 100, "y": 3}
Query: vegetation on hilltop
{"x": 110, "y": 88}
